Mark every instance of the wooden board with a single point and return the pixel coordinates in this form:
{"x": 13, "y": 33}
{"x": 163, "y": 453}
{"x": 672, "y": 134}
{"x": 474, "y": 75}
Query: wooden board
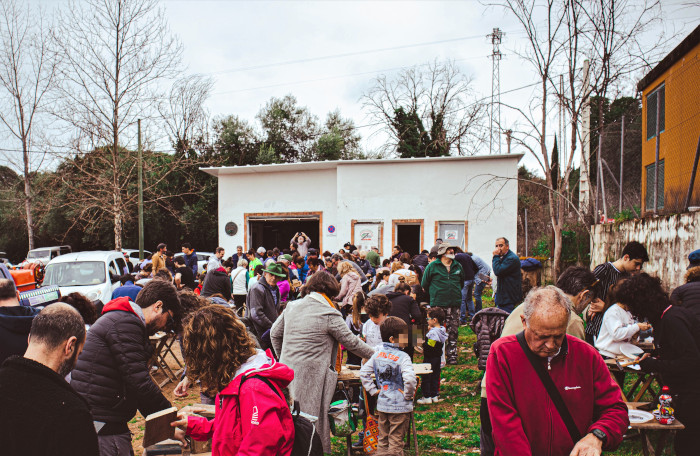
{"x": 353, "y": 374}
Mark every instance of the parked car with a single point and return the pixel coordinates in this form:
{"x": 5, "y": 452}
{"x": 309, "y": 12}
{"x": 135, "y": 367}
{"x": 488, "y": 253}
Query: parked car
{"x": 93, "y": 274}
{"x": 43, "y": 255}
{"x": 133, "y": 255}
{"x": 202, "y": 259}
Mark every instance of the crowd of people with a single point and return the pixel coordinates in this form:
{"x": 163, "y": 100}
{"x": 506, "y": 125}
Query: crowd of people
{"x": 265, "y": 327}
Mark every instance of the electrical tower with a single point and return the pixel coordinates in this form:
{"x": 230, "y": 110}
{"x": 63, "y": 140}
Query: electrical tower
{"x": 495, "y": 92}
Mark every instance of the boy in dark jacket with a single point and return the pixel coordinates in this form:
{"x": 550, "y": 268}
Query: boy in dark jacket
{"x": 112, "y": 374}
{"x": 432, "y": 353}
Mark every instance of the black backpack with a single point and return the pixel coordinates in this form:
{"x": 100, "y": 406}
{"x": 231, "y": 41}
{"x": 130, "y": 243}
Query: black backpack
{"x": 307, "y": 441}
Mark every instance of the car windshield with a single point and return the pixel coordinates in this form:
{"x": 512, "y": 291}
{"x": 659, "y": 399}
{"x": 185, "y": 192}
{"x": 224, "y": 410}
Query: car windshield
{"x": 39, "y": 254}
{"x": 75, "y": 274}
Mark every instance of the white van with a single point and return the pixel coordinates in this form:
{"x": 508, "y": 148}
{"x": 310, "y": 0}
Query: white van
{"x": 43, "y": 255}
{"x": 92, "y": 274}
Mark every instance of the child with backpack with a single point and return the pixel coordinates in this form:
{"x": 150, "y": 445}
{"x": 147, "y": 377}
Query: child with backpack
{"x": 394, "y": 385}
{"x": 432, "y": 353}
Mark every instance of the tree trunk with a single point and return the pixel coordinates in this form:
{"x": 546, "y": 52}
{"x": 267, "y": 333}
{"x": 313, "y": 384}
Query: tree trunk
{"x": 118, "y": 218}
{"x": 556, "y": 258}
{"x": 28, "y": 205}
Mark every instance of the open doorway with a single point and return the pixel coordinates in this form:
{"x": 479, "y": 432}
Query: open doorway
{"x": 277, "y": 232}
{"x": 408, "y": 237}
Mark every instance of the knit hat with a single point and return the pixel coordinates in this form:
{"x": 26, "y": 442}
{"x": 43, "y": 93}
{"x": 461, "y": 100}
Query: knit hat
{"x": 694, "y": 259}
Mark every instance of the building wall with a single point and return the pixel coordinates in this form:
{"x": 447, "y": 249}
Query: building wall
{"x": 679, "y": 140}
{"x": 481, "y": 192}
{"x": 668, "y": 240}
{"x": 273, "y": 192}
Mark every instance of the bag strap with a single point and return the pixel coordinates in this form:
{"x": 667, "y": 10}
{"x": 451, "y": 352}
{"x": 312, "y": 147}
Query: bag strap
{"x": 264, "y": 380}
{"x": 551, "y": 388}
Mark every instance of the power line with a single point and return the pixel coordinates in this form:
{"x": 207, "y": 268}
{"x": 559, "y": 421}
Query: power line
{"x": 346, "y": 54}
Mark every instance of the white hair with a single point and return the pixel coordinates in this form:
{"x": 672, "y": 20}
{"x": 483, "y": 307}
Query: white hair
{"x": 242, "y": 263}
{"x": 550, "y": 297}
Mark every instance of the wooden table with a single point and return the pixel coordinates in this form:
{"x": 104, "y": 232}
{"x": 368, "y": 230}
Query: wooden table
{"x": 650, "y": 426}
{"x": 644, "y": 381}
{"x": 163, "y": 345}
{"x": 352, "y": 377}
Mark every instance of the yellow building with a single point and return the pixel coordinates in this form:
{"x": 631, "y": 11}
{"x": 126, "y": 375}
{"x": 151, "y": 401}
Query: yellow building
{"x": 674, "y": 84}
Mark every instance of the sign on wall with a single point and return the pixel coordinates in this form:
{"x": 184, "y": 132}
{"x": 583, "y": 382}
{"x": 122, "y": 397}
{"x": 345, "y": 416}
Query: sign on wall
{"x": 330, "y": 230}
{"x": 366, "y": 235}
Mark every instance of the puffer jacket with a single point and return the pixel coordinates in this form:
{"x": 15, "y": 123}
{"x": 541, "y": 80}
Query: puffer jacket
{"x": 395, "y": 379}
{"x": 349, "y": 285}
{"x": 252, "y": 419}
{"x": 487, "y": 324}
{"x": 111, "y": 372}
{"x": 217, "y": 281}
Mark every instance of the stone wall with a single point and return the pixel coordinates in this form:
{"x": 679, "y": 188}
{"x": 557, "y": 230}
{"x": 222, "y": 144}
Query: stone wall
{"x": 668, "y": 240}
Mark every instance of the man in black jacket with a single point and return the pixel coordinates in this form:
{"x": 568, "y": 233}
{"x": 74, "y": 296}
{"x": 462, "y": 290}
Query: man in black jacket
{"x": 41, "y": 413}
{"x": 15, "y": 321}
{"x": 217, "y": 281}
{"x": 469, "y": 268}
{"x": 112, "y": 373}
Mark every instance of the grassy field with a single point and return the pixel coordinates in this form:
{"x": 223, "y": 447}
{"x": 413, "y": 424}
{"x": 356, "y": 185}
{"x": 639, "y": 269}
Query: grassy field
{"x": 448, "y": 427}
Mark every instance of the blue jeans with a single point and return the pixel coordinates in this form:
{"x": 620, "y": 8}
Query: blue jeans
{"x": 466, "y": 301}
{"x": 475, "y": 306}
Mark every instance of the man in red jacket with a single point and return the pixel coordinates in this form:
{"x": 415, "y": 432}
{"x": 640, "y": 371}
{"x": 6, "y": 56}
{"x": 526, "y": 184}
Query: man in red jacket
{"x": 525, "y": 420}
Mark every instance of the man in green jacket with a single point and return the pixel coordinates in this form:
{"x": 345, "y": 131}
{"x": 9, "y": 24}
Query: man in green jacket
{"x": 506, "y": 266}
{"x": 443, "y": 280}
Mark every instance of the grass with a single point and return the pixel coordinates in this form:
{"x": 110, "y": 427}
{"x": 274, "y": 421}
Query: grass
{"x": 452, "y": 426}
{"x": 446, "y": 428}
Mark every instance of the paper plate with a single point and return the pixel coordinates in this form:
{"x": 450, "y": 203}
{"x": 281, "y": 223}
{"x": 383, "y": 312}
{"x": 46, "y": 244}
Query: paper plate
{"x": 631, "y": 350}
{"x": 639, "y": 416}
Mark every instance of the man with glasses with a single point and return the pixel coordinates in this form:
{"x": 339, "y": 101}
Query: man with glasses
{"x": 111, "y": 372}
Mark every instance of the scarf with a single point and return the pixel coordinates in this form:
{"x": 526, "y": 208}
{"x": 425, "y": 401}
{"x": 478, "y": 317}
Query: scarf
{"x": 339, "y": 355}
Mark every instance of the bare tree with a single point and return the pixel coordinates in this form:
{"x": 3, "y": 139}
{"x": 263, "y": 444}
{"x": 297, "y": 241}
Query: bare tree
{"x": 427, "y": 110}
{"x": 117, "y": 54}
{"x": 559, "y": 36}
{"x": 183, "y": 112}
{"x": 28, "y": 68}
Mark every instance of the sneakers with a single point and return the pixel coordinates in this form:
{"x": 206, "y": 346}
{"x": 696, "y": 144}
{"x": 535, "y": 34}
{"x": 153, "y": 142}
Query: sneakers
{"x": 435, "y": 399}
{"x": 425, "y": 400}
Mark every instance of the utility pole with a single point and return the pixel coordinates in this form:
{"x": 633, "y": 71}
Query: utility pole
{"x": 601, "y": 182}
{"x": 622, "y": 160}
{"x": 496, "y": 56}
{"x": 140, "y": 151}
{"x": 526, "y": 249}
{"x": 585, "y": 181}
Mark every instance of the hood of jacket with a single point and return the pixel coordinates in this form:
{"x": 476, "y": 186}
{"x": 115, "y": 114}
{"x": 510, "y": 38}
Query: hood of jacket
{"x": 17, "y": 319}
{"x": 439, "y": 334}
{"x": 264, "y": 365}
{"x": 125, "y": 305}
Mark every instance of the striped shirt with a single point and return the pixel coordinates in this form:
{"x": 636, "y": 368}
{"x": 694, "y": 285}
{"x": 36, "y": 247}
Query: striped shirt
{"x": 608, "y": 276}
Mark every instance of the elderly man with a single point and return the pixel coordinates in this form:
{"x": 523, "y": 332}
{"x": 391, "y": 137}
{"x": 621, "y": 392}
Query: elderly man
{"x": 506, "y": 266}
{"x": 264, "y": 303}
{"x": 42, "y": 414}
{"x": 580, "y": 286}
{"x": 523, "y": 413}
{"x": 443, "y": 281}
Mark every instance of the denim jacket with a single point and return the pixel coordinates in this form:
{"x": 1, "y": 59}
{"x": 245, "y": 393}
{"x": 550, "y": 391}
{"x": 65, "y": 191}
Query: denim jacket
{"x": 395, "y": 380}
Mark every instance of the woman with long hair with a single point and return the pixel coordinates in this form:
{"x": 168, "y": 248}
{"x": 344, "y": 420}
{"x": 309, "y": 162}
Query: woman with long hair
{"x": 677, "y": 334}
{"x": 350, "y": 283}
{"x": 307, "y": 337}
{"x": 252, "y": 416}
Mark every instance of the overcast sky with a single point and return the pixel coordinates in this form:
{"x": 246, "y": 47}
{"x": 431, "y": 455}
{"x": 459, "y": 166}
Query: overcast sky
{"x": 245, "y": 46}
{"x": 326, "y": 53}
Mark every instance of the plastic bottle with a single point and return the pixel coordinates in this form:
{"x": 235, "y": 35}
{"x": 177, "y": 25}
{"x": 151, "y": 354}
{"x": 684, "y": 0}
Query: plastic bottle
{"x": 664, "y": 411}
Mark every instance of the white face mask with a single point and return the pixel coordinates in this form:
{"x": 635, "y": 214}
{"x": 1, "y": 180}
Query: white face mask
{"x": 450, "y": 256}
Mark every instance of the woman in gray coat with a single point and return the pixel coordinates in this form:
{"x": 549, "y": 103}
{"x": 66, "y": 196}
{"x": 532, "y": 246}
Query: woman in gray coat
{"x": 307, "y": 336}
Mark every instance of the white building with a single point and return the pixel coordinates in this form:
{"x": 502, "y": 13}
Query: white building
{"x": 467, "y": 201}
